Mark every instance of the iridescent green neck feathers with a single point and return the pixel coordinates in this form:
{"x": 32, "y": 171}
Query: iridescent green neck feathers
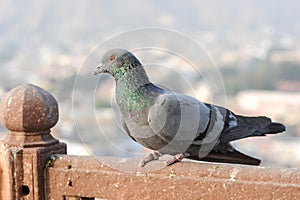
{"x": 129, "y": 79}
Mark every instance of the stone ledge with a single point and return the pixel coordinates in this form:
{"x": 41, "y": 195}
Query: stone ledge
{"x": 116, "y": 178}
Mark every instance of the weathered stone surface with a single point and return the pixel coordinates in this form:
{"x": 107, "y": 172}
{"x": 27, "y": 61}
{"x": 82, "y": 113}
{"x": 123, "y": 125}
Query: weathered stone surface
{"x": 109, "y": 178}
{"x": 28, "y": 108}
{"x": 28, "y": 112}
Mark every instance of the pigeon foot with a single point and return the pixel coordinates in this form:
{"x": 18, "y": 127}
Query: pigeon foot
{"x": 177, "y": 158}
{"x": 154, "y": 155}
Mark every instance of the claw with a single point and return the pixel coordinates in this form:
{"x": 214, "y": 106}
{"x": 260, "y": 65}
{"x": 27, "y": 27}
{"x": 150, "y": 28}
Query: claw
{"x": 177, "y": 158}
{"x": 154, "y": 155}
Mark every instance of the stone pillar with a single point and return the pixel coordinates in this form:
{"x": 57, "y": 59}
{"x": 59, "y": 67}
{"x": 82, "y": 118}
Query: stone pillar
{"x": 28, "y": 112}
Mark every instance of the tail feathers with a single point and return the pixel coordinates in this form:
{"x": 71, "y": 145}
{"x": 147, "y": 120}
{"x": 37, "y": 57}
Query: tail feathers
{"x": 251, "y": 126}
{"x": 233, "y": 157}
{"x": 271, "y": 128}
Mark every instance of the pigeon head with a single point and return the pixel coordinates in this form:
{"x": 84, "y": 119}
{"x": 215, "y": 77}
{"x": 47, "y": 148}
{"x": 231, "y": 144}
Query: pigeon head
{"x": 117, "y": 61}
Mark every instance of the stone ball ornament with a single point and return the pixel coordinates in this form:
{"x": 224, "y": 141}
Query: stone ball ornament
{"x": 28, "y": 108}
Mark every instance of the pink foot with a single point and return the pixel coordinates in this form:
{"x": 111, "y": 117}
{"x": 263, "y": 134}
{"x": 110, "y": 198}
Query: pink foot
{"x": 154, "y": 155}
{"x": 177, "y": 158}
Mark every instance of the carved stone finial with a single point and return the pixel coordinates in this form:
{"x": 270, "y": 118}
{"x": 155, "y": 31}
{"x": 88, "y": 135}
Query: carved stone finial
{"x": 29, "y": 112}
{"x": 28, "y": 108}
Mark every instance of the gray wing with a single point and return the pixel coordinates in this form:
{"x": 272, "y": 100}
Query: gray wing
{"x": 178, "y": 119}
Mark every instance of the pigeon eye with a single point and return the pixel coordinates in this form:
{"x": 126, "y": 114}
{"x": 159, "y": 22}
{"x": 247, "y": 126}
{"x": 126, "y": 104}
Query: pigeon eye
{"x": 111, "y": 57}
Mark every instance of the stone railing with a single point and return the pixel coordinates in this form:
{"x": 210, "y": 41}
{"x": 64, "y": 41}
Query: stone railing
{"x": 34, "y": 165}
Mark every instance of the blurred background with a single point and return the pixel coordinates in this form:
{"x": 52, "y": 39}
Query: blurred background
{"x": 253, "y": 47}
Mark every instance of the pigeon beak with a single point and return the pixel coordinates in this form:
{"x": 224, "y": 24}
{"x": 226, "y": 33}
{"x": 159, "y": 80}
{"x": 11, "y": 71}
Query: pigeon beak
{"x": 99, "y": 69}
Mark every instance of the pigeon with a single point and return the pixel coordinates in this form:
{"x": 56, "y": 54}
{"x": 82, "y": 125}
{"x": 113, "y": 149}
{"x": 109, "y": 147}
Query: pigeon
{"x": 176, "y": 124}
